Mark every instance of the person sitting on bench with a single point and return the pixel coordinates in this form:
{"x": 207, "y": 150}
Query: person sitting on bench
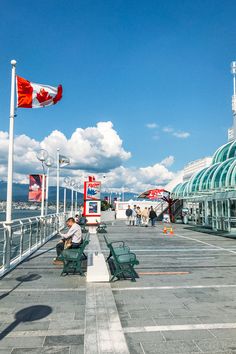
{"x": 74, "y": 234}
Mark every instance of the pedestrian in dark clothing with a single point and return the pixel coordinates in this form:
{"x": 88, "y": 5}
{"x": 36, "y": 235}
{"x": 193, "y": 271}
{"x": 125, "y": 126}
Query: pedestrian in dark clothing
{"x": 152, "y": 216}
{"x": 128, "y": 214}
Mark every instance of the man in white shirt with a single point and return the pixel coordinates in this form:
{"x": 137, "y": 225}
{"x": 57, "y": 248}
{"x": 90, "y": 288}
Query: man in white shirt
{"x": 74, "y": 233}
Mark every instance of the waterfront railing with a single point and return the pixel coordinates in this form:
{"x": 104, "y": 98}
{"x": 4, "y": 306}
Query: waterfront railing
{"x": 24, "y": 236}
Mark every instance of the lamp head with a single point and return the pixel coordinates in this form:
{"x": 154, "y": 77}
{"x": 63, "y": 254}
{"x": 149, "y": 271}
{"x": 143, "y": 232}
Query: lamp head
{"x": 67, "y": 180}
{"x": 49, "y": 161}
{"x": 42, "y": 155}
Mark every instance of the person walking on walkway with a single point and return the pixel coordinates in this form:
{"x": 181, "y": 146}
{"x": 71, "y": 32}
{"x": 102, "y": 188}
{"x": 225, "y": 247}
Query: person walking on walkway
{"x": 152, "y": 216}
{"x": 134, "y": 214}
{"x": 74, "y": 235}
{"x": 138, "y": 216}
{"x": 128, "y": 214}
{"x": 145, "y": 216}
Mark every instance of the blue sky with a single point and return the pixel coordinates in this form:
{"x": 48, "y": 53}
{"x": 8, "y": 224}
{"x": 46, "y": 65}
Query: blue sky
{"x": 129, "y": 62}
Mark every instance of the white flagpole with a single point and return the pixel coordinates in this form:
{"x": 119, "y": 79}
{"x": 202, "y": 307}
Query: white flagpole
{"x": 58, "y": 178}
{"x": 11, "y": 144}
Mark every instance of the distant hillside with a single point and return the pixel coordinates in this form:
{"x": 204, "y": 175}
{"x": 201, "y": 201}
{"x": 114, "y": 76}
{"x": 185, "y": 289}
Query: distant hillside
{"x": 20, "y": 193}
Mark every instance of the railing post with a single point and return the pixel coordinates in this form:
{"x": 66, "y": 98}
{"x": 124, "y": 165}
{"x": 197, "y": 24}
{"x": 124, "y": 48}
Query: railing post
{"x": 7, "y": 246}
{"x": 21, "y": 237}
{"x": 30, "y": 234}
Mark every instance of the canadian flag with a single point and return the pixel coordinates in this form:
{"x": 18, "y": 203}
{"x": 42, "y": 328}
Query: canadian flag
{"x": 31, "y": 95}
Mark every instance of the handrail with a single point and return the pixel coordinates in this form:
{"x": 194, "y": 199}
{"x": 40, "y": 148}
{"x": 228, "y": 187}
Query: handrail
{"x": 24, "y": 236}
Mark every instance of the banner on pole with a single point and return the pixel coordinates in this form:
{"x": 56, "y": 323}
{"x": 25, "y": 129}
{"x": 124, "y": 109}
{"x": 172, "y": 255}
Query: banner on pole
{"x": 35, "y": 188}
{"x": 92, "y": 190}
{"x": 63, "y": 160}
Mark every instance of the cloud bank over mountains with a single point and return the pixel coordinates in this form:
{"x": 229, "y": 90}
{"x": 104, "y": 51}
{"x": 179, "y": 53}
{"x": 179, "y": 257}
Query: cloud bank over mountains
{"x": 97, "y": 150}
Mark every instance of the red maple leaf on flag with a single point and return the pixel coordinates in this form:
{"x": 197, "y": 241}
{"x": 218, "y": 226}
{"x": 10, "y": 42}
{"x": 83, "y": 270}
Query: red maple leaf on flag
{"x": 43, "y": 96}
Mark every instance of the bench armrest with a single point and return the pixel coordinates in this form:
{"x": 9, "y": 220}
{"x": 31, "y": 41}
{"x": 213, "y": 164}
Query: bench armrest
{"x": 127, "y": 258}
{"x": 122, "y": 243}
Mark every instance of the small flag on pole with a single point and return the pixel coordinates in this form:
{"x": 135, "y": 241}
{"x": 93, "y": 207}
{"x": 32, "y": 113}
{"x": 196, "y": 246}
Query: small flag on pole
{"x": 31, "y": 95}
{"x": 63, "y": 161}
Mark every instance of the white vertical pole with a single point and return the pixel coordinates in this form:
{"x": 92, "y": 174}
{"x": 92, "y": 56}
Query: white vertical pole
{"x": 72, "y": 200}
{"x": 11, "y": 145}
{"x": 47, "y": 188}
{"x": 58, "y": 180}
{"x": 76, "y": 200}
{"x": 64, "y": 200}
{"x": 43, "y": 195}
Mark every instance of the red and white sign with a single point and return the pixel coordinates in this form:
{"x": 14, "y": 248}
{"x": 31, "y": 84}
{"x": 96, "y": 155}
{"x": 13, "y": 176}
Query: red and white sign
{"x": 35, "y": 188}
{"x": 92, "y": 190}
{"x": 32, "y": 95}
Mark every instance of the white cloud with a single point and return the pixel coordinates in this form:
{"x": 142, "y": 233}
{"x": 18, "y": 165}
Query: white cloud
{"x": 181, "y": 135}
{"x": 177, "y": 134}
{"x": 151, "y": 125}
{"x": 138, "y": 179}
{"x": 168, "y": 161}
{"x": 168, "y": 129}
{"x": 96, "y": 148}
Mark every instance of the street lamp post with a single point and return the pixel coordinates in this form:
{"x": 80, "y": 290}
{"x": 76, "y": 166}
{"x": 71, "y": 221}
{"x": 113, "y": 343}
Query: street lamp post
{"x": 76, "y": 187}
{"x": 42, "y": 155}
{"x": 67, "y": 182}
{"x": 49, "y": 162}
{"x": 72, "y": 184}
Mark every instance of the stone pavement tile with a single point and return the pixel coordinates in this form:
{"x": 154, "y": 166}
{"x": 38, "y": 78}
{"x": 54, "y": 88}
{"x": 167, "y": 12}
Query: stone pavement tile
{"x": 161, "y": 313}
{"x": 151, "y": 337}
{"x": 176, "y": 347}
{"x": 79, "y": 312}
{"x": 64, "y": 340}
{"x": 211, "y": 345}
{"x": 134, "y": 347}
{"x": 216, "y": 318}
{"x": 137, "y": 322}
{"x": 165, "y": 321}
{"x": 224, "y": 333}
{"x": 21, "y": 342}
{"x": 44, "y": 350}
{"x": 31, "y": 326}
{"x": 228, "y": 344}
{"x": 77, "y": 349}
{"x": 6, "y": 351}
{"x": 140, "y": 314}
{"x": 75, "y": 324}
{"x": 187, "y": 335}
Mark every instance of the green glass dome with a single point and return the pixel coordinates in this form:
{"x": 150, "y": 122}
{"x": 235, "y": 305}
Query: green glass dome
{"x": 219, "y": 176}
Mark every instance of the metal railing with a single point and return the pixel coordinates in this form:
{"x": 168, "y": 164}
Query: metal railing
{"x": 24, "y": 236}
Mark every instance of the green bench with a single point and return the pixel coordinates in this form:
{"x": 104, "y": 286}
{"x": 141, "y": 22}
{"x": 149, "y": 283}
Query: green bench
{"x": 102, "y": 228}
{"x": 72, "y": 258}
{"x": 84, "y": 229}
{"x": 123, "y": 260}
{"x": 118, "y": 247}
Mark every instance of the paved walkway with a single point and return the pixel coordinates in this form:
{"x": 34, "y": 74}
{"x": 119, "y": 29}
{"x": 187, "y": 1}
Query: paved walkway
{"x": 183, "y": 302}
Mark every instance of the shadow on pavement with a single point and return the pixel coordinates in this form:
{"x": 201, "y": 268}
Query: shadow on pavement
{"x": 22, "y": 279}
{"x": 28, "y": 314}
